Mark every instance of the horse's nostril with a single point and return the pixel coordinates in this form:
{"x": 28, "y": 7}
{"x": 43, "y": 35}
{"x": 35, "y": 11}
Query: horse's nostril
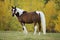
{"x": 23, "y": 28}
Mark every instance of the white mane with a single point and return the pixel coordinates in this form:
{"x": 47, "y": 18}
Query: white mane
{"x": 20, "y": 11}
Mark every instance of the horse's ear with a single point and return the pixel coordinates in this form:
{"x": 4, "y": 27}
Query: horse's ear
{"x": 15, "y": 6}
{"x": 12, "y": 6}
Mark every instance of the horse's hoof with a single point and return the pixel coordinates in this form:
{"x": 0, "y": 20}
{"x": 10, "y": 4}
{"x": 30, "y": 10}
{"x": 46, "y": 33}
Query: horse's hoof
{"x": 44, "y": 33}
{"x": 39, "y": 33}
{"x": 34, "y": 33}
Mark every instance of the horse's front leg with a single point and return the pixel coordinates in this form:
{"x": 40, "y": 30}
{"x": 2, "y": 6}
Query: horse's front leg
{"x": 24, "y": 29}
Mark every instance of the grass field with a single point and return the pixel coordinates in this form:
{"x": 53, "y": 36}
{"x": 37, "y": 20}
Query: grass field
{"x": 16, "y": 35}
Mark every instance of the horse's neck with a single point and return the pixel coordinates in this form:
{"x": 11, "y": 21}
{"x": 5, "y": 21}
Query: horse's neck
{"x": 20, "y": 11}
{"x": 17, "y": 14}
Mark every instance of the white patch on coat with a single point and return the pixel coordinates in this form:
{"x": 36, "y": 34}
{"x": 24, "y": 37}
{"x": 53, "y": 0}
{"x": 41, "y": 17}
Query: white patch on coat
{"x": 20, "y": 11}
{"x": 13, "y": 11}
{"x": 25, "y": 30}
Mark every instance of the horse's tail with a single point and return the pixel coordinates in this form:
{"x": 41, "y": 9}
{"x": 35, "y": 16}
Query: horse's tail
{"x": 43, "y": 21}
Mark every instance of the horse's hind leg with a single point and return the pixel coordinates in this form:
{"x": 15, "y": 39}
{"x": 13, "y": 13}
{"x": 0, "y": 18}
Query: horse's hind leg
{"x": 39, "y": 27}
{"x": 35, "y": 28}
{"x": 24, "y": 29}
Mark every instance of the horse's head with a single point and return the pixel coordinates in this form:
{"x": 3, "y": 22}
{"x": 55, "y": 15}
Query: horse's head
{"x": 13, "y": 10}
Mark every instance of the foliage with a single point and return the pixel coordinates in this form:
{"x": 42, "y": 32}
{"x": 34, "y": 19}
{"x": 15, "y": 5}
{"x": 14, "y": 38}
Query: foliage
{"x": 51, "y": 9}
{"x": 57, "y": 4}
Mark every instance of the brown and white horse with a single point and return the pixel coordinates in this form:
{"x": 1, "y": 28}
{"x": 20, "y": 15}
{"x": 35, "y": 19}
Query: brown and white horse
{"x": 30, "y": 17}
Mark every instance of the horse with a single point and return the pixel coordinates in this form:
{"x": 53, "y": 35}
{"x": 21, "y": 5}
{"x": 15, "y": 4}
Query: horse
{"x": 35, "y": 17}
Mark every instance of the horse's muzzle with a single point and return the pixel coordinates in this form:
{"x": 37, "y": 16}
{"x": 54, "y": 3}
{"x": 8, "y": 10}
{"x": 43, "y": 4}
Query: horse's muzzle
{"x": 12, "y": 14}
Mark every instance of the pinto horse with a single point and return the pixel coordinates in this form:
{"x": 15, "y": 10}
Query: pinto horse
{"x": 36, "y": 17}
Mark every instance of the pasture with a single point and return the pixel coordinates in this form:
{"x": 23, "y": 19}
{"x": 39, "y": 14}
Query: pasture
{"x": 16, "y": 35}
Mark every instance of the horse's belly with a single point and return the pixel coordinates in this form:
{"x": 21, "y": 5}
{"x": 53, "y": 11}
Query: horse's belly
{"x": 28, "y": 22}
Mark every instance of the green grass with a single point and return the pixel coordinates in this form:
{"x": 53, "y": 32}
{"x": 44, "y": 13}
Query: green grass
{"x": 16, "y": 35}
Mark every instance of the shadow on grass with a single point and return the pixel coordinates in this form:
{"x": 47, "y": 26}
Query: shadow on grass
{"x": 33, "y": 39}
{"x": 29, "y": 39}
